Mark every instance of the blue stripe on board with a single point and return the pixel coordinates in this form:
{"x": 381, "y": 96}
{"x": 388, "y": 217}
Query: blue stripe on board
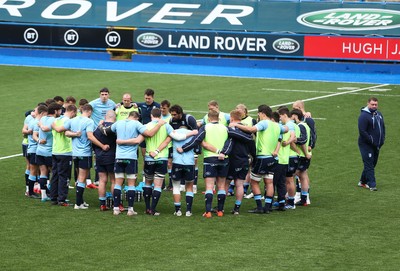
{"x": 373, "y": 73}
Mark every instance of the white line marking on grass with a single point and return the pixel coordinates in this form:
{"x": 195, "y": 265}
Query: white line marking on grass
{"x": 347, "y": 88}
{"x": 376, "y": 91}
{"x": 329, "y": 95}
{"x": 10, "y": 156}
{"x": 380, "y": 90}
{"x": 297, "y": 90}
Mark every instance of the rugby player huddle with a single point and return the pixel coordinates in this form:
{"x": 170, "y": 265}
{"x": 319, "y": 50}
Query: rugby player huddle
{"x": 238, "y": 151}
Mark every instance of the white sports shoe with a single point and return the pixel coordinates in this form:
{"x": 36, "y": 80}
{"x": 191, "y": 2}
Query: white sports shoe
{"x": 249, "y": 196}
{"x": 80, "y": 207}
{"x": 297, "y": 197}
{"x": 116, "y": 211}
{"x": 188, "y": 213}
{"x": 290, "y": 207}
{"x": 85, "y": 204}
{"x": 179, "y": 213}
{"x": 131, "y": 212}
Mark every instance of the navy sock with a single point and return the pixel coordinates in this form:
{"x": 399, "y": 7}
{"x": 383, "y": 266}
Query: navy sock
{"x": 238, "y": 203}
{"x": 231, "y": 187}
{"x": 79, "y": 194}
{"x": 177, "y": 206}
{"x": 27, "y": 179}
{"x": 117, "y": 195}
{"x": 156, "y": 197}
{"x": 246, "y": 187}
{"x": 303, "y": 197}
{"x": 31, "y": 185}
{"x": 268, "y": 203}
{"x": 209, "y": 198}
{"x": 290, "y": 201}
{"x": 221, "y": 199}
{"x": 43, "y": 182}
{"x": 257, "y": 198}
{"x": 147, "y": 191}
{"x": 189, "y": 201}
{"x": 131, "y": 197}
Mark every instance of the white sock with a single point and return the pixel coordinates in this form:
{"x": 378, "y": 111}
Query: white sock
{"x": 44, "y": 195}
{"x": 88, "y": 181}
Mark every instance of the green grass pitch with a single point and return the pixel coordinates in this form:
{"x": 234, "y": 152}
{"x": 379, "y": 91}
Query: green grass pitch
{"x": 344, "y": 228}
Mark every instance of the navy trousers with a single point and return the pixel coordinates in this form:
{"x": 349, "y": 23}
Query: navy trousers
{"x": 369, "y": 155}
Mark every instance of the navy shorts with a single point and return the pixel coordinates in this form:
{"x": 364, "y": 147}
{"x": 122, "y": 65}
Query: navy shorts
{"x": 182, "y": 172}
{"x": 44, "y": 160}
{"x": 128, "y": 166}
{"x": 237, "y": 173}
{"x": 211, "y": 170}
{"x": 170, "y": 152}
{"x": 156, "y": 167}
{"x": 32, "y": 158}
{"x": 263, "y": 166}
{"x": 292, "y": 166}
{"x": 24, "y": 150}
{"x": 105, "y": 168}
{"x": 304, "y": 164}
{"x": 83, "y": 162}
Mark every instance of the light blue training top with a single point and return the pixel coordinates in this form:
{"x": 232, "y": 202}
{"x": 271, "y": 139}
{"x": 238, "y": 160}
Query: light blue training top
{"x": 81, "y": 146}
{"x": 185, "y": 158}
{"x": 127, "y": 129}
{"x": 100, "y": 109}
{"x": 32, "y": 144}
{"x": 45, "y": 149}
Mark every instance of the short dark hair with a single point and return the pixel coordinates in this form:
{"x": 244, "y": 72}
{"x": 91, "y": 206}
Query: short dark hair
{"x": 373, "y": 99}
{"x": 87, "y": 107}
{"x": 134, "y": 114}
{"x": 156, "y": 112}
{"x": 104, "y": 90}
{"x": 70, "y": 99}
{"x": 265, "y": 109}
{"x": 298, "y": 113}
{"x": 53, "y": 107}
{"x": 176, "y": 108}
{"x": 149, "y": 92}
{"x": 50, "y": 101}
{"x": 275, "y": 116}
{"x": 41, "y": 109}
{"x": 58, "y": 99}
{"x": 284, "y": 111}
{"x": 165, "y": 102}
{"x": 71, "y": 107}
{"x": 83, "y": 102}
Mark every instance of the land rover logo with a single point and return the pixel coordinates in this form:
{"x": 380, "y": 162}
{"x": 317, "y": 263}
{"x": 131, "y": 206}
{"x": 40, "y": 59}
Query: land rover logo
{"x": 351, "y": 19}
{"x": 149, "y": 40}
{"x": 286, "y": 46}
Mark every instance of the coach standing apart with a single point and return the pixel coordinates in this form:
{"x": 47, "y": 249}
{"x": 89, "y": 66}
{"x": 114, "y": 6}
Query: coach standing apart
{"x": 371, "y": 129}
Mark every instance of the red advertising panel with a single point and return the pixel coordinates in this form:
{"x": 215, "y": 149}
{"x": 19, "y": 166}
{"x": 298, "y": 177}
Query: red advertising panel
{"x": 362, "y": 48}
